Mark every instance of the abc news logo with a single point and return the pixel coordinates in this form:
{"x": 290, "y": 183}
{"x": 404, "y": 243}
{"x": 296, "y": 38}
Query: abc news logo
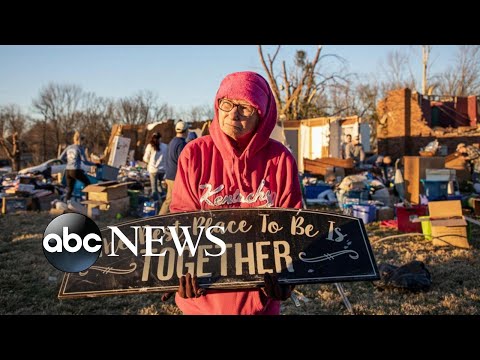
{"x": 72, "y": 242}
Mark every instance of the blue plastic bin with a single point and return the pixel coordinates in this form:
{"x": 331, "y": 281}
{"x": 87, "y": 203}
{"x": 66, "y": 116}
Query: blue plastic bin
{"x": 150, "y": 208}
{"x": 435, "y": 190}
{"x": 312, "y": 191}
{"x": 454, "y": 197}
{"x": 368, "y": 213}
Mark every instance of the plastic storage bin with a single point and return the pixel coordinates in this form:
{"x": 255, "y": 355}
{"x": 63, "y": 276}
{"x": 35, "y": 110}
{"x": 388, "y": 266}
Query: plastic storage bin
{"x": 403, "y": 218}
{"x": 150, "y": 208}
{"x": 368, "y": 213}
{"x": 435, "y": 190}
{"x": 106, "y": 172}
{"x": 312, "y": 191}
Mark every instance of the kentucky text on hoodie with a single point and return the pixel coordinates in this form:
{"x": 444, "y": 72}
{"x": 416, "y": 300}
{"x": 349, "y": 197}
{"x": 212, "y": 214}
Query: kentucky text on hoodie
{"x": 209, "y": 198}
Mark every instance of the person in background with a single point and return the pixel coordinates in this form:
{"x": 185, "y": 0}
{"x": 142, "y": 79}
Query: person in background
{"x": 234, "y": 164}
{"x": 381, "y": 164}
{"x": 192, "y": 135}
{"x": 155, "y": 157}
{"x": 354, "y": 150}
{"x": 175, "y": 147}
{"x": 74, "y": 155}
{"x": 348, "y": 140}
{"x": 471, "y": 154}
{"x": 384, "y": 165}
{"x": 329, "y": 195}
{"x": 374, "y": 159}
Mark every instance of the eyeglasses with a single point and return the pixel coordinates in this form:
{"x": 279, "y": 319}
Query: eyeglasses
{"x": 243, "y": 110}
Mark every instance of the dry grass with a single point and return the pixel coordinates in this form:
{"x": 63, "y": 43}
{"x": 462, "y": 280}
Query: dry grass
{"x": 29, "y": 284}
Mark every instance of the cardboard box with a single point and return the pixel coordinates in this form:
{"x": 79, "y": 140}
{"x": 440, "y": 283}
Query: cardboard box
{"x": 106, "y": 191}
{"x": 107, "y": 209}
{"x": 448, "y": 223}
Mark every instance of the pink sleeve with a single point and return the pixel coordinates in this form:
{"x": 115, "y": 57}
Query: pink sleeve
{"x": 184, "y": 196}
{"x": 289, "y": 193}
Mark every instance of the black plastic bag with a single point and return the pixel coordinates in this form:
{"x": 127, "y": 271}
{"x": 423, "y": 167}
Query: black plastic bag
{"x": 413, "y": 276}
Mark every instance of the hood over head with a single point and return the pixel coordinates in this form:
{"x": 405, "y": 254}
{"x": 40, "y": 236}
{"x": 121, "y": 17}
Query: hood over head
{"x": 251, "y": 87}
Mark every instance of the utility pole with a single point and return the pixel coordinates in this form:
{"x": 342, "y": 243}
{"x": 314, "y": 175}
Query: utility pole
{"x": 425, "y": 55}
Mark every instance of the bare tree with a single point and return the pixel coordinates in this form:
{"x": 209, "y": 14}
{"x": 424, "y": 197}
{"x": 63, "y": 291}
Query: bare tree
{"x": 341, "y": 99}
{"x": 162, "y": 111}
{"x": 40, "y": 141}
{"x": 198, "y": 113}
{"x": 367, "y": 96}
{"x": 398, "y": 72}
{"x": 298, "y": 91}
{"x": 141, "y": 108}
{"x": 95, "y": 121}
{"x": 463, "y": 78}
{"x": 12, "y": 125}
{"x": 58, "y": 105}
{"x": 132, "y": 110}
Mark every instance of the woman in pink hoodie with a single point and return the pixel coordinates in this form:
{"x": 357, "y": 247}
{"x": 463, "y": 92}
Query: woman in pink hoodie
{"x": 236, "y": 166}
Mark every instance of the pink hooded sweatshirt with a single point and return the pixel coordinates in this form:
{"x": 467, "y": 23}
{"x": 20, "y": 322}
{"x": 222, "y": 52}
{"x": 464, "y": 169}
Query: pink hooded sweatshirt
{"x": 211, "y": 175}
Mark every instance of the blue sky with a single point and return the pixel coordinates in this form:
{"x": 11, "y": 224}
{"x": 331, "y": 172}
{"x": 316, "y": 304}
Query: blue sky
{"x": 182, "y": 75}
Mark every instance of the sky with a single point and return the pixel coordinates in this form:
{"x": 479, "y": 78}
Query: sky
{"x": 180, "y": 75}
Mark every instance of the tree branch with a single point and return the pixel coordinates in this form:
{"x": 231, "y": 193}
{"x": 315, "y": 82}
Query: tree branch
{"x": 271, "y": 78}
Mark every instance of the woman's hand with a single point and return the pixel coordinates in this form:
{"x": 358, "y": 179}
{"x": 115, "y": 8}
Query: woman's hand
{"x": 274, "y": 290}
{"x": 188, "y": 288}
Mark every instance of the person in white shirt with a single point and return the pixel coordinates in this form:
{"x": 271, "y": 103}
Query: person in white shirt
{"x": 155, "y": 156}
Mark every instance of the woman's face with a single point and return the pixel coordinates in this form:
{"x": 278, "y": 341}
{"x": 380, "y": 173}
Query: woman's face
{"x": 237, "y": 118}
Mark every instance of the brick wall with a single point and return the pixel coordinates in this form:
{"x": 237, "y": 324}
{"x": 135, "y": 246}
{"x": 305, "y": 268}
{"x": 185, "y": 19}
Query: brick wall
{"x": 418, "y": 119}
{"x": 391, "y": 132}
{"x": 403, "y": 128}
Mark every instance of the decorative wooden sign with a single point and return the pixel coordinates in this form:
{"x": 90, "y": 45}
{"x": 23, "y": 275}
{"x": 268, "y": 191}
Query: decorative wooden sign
{"x": 301, "y": 246}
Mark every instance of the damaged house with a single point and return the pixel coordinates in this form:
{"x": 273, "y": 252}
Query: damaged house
{"x": 323, "y": 137}
{"x": 410, "y": 120}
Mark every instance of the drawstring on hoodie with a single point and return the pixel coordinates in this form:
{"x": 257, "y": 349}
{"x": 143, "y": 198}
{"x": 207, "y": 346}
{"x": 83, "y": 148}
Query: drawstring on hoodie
{"x": 245, "y": 174}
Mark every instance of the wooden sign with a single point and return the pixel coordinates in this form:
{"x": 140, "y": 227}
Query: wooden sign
{"x": 300, "y": 246}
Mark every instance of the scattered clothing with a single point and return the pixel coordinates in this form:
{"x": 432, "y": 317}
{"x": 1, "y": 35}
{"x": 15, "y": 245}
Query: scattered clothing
{"x": 413, "y": 276}
{"x": 390, "y": 224}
